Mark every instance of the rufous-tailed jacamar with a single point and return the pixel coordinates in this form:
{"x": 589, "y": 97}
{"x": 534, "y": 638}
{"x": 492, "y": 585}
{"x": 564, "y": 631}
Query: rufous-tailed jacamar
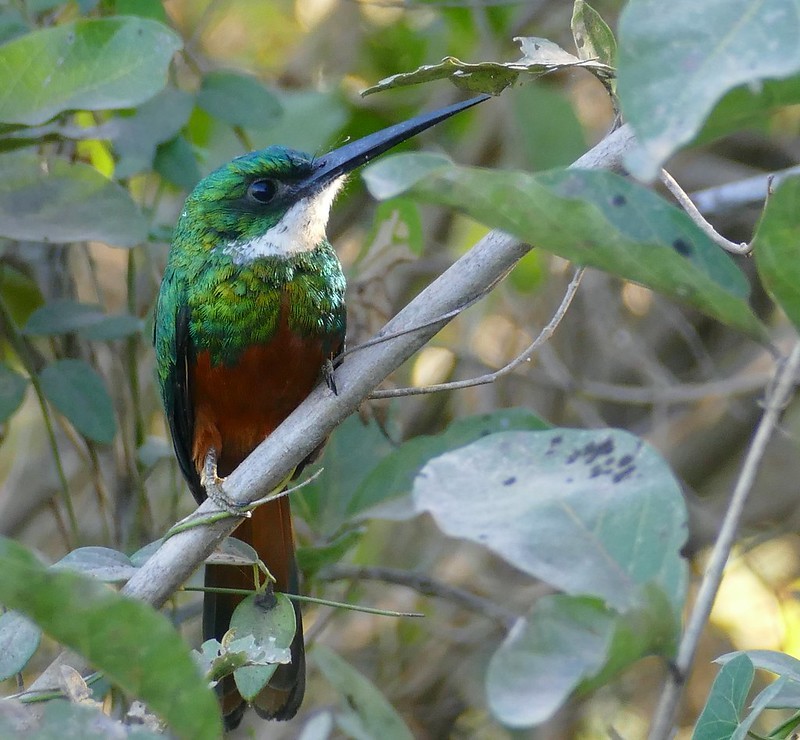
{"x": 251, "y": 310}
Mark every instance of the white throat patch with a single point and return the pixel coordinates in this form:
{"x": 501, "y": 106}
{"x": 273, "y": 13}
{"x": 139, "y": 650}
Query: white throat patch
{"x": 301, "y": 229}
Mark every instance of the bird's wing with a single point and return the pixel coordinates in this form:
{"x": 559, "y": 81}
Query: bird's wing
{"x": 175, "y": 354}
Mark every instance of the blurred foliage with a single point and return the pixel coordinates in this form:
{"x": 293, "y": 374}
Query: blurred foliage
{"x": 112, "y": 110}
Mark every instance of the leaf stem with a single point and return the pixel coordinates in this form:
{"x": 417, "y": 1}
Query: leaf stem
{"x": 308, "y": 599}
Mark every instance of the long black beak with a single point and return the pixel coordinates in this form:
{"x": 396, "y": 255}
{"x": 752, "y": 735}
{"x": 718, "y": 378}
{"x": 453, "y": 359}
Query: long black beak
{"x": 346, "y": 158}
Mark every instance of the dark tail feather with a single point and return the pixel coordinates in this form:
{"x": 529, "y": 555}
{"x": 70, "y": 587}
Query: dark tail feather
{"x": 269, "y": 532}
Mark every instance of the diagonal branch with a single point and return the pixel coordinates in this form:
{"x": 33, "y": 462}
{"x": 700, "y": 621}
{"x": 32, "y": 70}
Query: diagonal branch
{"x": 306, "y": 428}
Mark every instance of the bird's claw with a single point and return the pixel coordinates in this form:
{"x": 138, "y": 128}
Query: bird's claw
{"x": 215, "y": 491}
{"x": 329, "y": 374}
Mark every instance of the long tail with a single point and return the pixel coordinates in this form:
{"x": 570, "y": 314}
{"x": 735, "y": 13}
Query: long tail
{"x": 269, "y": 532}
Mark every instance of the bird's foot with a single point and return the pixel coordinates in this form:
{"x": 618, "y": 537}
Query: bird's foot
{"x": 329, "y": 374}
{"x": 214, "y": 487}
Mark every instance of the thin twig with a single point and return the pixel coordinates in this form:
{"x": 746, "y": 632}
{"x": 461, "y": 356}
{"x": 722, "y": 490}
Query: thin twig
{"x": 686, "y": 203}
{"x": 544, "y": 335}
{"x": 424, "y": 585}
{"x": 311, "y": 600}
{"x": 776, "y": 402}
{"x": 733, "y": 195}
{"x": 738, "y": 385}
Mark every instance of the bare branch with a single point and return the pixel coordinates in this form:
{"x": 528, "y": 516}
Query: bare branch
{"x": 733, "y": 195}
{"x": 306, "y": 428}
{"x": 777, "y": 399}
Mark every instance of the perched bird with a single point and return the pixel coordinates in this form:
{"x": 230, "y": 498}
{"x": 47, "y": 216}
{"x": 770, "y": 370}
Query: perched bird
{"x": 251, "y": 309}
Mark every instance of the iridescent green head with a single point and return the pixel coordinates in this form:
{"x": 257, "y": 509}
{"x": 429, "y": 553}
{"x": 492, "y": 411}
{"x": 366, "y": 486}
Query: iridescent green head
{"x": 261, "y": 205}
{"x": 276, "y": 202}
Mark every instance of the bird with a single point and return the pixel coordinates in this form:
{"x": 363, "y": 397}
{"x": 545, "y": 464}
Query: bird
{"x": 249, "y": 317}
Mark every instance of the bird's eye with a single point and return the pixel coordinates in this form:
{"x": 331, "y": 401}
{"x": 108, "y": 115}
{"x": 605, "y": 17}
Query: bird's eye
{"x": 262, "y": 191}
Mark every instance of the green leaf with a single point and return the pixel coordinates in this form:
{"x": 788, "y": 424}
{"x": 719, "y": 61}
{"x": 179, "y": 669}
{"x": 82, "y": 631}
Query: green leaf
{"x": 394, "y": 475}
{"x": 20, "y": 293}
{"x": 547, "y": 128}
{"x": 677, "y": 59}
{"x": 353, "y": 450}
{"x": 145, "y": 552}
{"x": 40, "y": 6}
{"x": 749, "y": 106}
{"x": 776, "y": 248}
{"x": 78, "y": 392}
{"x": 87, "y": 64}
{"x": 12, "y": 391}
{"x": 594, "y": 513}
{"x": 309, "y": 122}
{"x": 396, "y": 230}
{"x": 64, "y": 317}
{"x": 489, "y": 77}
{"x": 367, "y": 714}
{"x": 311, "y": 560}
{"x": 175, "y": 161}
{"x": 145, "y": 8}
{"x": 720, "y": 716}
{"x": 102, "y": 563}
{"x": 239, "y": 100}
{"x": 397, "y": 174}
{"x": 270, "y": 620}
{"x": 11, "y": 24}
{"x": 137, "y": 135}
{"x": 19, "y": 638}
{"x": 593, "y": 38}
{"x": 566, "y": 644}
{"x": 114, "y": 327}
{"x": 539, "y": 56}
{"x": 593, "y": 218}
{"x": 62, "y": 202}
{"x": 135, "y": 646}
{"x": 233, "y": 552}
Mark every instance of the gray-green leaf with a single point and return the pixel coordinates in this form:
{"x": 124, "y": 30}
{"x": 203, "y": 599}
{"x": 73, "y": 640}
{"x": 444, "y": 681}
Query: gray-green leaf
{"x": 594, "y": 513}
{"x": 91, "y": 64}
{"x": 677, "y": 59}
{"x": 102, "y": 563}
{"x": 593, "y": 218}
{"x": 270, "y": 619}
{"x": 137, "y": 135}
{"x": 720, "y": 716}
{"x": 12, "y": 391}
{"x": 568, "y": 644}
{"x": 78, "y": 392}
{"x": 776, "y": 248}
{"x": 89, "y": 320}
{"x": 136, "y": 647}
{"x": 63, "y": 202}
{"x": 239, "y": 100}
{"x": 365, "y": 711}
{"x": 593, "y": 38}
{"x": 19, "y": 638}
